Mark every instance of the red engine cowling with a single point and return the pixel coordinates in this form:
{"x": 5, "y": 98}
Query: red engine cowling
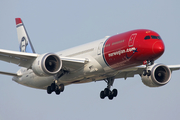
{"x": 47, "y": 64}
{"x": 160, "y": 75}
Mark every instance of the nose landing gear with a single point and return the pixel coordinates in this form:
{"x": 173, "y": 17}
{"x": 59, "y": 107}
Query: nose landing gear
{"x": 148, "y": 72}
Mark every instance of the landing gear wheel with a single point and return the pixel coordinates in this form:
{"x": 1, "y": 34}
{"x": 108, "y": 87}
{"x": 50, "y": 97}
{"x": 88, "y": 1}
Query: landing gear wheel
{"x": 106, "y": 92}
{"x": 110, "y": 96}
{"x": 102, "y": 96}
{"x": 144, "y": 73}
{"x": 114, "y": 92}
{"x": 53, "y": 87}
{"x": 49, "y": 90}
{"x": 149, "y": 73}
{"x": 57, "y": 91}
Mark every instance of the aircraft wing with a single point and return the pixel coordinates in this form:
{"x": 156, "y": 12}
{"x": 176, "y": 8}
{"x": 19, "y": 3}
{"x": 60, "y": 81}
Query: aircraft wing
{"x": 20, "y": 58}
{"x": 24, "y": 59}
{"x": 130, "y": 72}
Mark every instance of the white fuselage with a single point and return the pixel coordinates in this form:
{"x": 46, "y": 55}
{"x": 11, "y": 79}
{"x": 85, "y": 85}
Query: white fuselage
{"x": 94, "y": 70}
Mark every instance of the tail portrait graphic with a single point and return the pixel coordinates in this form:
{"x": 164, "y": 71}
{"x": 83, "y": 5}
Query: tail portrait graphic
{"x": 23, "y": 38}
{"x": 23, "y": 44}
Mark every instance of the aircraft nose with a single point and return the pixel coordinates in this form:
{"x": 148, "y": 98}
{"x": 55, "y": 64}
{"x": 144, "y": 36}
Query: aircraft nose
{"x": 158, "y": 48}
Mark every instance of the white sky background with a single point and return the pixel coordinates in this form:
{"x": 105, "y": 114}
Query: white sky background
{"x": 58, "y": 25}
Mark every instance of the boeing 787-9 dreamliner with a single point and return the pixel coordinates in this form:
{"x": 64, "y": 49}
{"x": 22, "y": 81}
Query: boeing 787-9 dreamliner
{"x": 120, "y": 56}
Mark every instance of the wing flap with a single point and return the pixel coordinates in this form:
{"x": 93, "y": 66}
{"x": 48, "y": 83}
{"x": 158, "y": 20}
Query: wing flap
{"x": 72, "y": 64}
{"x": 130, "y": 72}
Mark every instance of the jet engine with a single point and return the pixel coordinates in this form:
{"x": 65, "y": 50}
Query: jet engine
{"x": 47, "y": 64}
{"x": 159, "y": 76}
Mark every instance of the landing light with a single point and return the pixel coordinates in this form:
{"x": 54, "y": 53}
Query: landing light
{"x": 148, "y": 31}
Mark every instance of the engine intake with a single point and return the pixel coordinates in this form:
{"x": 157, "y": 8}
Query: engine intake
{"x": 160, "y": 75}
{"x": 47, "y": 64}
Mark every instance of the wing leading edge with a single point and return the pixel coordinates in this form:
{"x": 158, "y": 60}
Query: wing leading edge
{"x": 26, "y": 59}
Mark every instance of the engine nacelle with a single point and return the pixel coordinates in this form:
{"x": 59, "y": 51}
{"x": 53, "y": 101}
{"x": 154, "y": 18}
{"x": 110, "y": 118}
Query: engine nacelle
{"x": 47, "y": 64}
{"x": 160, "y": 75}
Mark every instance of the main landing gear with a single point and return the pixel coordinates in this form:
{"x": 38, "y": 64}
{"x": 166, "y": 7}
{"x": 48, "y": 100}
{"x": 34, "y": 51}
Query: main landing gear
{"x": 55, "y": 88}
{"x": 107, "y": 92}
{"x": 148, "y": 72}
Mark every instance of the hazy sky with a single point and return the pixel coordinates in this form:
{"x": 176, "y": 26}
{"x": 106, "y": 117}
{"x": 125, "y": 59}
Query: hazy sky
{"x": 55, "y": 25}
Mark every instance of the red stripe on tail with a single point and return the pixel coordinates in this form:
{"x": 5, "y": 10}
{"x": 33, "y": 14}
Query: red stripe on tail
{"x": 18, "y": 21}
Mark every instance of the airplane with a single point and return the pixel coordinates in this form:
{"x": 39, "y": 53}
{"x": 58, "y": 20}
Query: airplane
{"x": 119, "y": 56}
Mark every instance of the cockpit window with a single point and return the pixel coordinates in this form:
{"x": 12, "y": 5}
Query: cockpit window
{"x": 159, "y": 37}
{"x": 147, "y": 37}
{"x": 154, "y": 37}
